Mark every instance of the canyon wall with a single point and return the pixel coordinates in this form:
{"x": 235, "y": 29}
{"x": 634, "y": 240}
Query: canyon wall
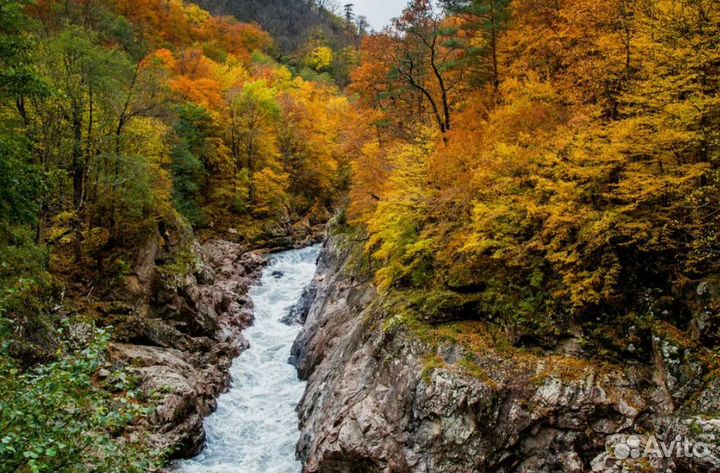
{"x": 387, "y": 395}
{"x": 178, "y": 325}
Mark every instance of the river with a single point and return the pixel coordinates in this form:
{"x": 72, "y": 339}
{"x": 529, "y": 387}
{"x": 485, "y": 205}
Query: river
{"x": 255, "y": 427}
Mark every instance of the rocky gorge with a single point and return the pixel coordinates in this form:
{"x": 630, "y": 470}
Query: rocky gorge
{"x": 387, "y": 394}
{"x": 178, "y": 328}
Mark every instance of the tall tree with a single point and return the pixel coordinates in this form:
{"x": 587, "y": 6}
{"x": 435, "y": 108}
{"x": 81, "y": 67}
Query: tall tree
{"x": 254, "y": 112}
{"x": 85, "y": 78}
{"x": 482, "y": 22}
{"x": 349, "y": 12}
{"x": 21, "y": 179}
{"x": 422, "y": 59}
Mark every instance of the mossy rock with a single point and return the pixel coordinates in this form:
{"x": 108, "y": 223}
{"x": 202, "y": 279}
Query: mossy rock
{"x": 149, "y": 332}
{"x": 29, "y": 354}
{"x": 440, "y": 306}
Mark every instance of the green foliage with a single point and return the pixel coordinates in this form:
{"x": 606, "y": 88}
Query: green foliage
{"x": 104, "y": 139}
{"x": 432, "y": 363}
{"x": 440, "y": 306}
{"x": 484, "y": 22}
{"x": 189, "y": 172}
{"x": 188, "y": 176}
{"x": 523, "y": 305}
{"x": 21, "y": 184}
{"x": 194, "y": 125}
{"x": 262, "y": 59}
{"x": 54, "y": 418}
{"x": 74, "y": 60}
{"x": 259, "y": 100}
{"x": 241, "y": 197}
{"x": 17, "y": 77}
{"x": 20, "y": 257}
{"x": 185, "y": 262}
{"x": 315, "y": 76}
{"x": 121, "y": 30}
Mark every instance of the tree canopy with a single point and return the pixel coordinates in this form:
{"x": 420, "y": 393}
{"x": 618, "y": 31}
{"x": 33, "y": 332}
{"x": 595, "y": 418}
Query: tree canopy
{"x": 557, "y": 158}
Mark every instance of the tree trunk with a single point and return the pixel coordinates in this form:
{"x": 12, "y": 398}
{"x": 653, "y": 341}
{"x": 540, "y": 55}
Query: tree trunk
{"x": 251, "y": 173}
{"x": 78, "y": 177}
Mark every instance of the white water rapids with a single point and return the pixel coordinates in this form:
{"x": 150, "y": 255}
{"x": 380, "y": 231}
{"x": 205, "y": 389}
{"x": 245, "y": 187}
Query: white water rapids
{"x": 255, "y": 427}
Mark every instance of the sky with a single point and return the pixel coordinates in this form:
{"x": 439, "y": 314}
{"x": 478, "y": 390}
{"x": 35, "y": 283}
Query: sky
{"x": 378, "y": 12}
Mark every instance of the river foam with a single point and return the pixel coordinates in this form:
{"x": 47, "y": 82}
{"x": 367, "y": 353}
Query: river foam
{"x": 255, "y": 427}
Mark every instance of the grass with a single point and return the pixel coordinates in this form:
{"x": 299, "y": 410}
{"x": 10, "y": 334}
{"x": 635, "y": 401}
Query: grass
{"x": 432, "y": 363}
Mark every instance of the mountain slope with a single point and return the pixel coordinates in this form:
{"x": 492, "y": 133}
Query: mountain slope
{"x": 290, "y": 22}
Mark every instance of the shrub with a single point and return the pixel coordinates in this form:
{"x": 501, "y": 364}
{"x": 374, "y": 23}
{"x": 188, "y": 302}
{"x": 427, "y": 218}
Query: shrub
{"x": 54, "y": 418}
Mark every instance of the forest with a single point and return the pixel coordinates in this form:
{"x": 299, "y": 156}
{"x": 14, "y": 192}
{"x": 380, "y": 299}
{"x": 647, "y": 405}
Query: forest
{"x": 547, "y": 163}
{"x": 119, "y": 120}
{"x": 548, "y": 166}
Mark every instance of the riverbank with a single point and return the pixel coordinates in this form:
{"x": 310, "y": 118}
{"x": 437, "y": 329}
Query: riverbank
{"x": 255, "y": 426}
{"x": 182, "y": 335}
{"x": 177, "y": 322}
{"x": 389, "y": 393}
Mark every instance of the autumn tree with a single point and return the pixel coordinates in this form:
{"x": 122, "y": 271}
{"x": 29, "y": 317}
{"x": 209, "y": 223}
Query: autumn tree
{"x": 254, "y": 112}
{"x": 413, "y": 69}
{"x": 581, "y": 180}
{"x": 480, "y": 25}
{"x": 422, "y": 59}
{"x": 85, "y": 78}
{"x": 124, "y": 125}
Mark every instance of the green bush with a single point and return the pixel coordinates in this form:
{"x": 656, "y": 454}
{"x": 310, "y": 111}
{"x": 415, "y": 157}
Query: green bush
{"x": 20, "y": 183}
{"x": 55, "y": 418}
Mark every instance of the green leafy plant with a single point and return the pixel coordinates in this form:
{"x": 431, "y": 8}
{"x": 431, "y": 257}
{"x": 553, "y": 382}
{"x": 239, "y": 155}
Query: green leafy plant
{"x": 56, "y": 418}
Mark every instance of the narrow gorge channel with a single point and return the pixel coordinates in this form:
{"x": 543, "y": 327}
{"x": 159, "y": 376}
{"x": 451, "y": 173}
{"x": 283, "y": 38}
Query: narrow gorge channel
{"x": 255, "y": 427}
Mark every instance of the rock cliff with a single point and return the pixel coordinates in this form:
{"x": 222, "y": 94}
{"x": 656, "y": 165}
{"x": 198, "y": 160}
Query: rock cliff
{"x": 387, "y": 394}
{"x": 178, "y": 327}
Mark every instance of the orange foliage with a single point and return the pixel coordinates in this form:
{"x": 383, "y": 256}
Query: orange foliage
{"x": 239, "y": 39}
{"x": 163, "y": 22}
{"x": 165, "y": 57}
{"x": 203, "y": 91}
{"x": 580, "y": 181}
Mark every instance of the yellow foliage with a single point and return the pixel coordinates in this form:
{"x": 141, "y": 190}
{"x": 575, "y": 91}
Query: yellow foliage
{"x": 319, "y": 59}
{"x": 272, "y": 197}
{"x": 395, "y": 225}
{"x": 584, "y": 178}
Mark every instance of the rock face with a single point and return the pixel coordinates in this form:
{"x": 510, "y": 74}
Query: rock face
{"x": 299, "y": 312}
{"x": 383, "y": 398}
{"x": 184, "y": 310}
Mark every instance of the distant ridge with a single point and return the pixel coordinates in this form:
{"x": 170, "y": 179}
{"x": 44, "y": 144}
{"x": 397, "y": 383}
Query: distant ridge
{"x": 290, "y": 22}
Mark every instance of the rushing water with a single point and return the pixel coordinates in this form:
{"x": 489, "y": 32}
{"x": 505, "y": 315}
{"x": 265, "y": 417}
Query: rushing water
{"x": 255, "y": 427}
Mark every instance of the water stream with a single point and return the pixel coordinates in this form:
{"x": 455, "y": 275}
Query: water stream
{"x": 255, "y": 427}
